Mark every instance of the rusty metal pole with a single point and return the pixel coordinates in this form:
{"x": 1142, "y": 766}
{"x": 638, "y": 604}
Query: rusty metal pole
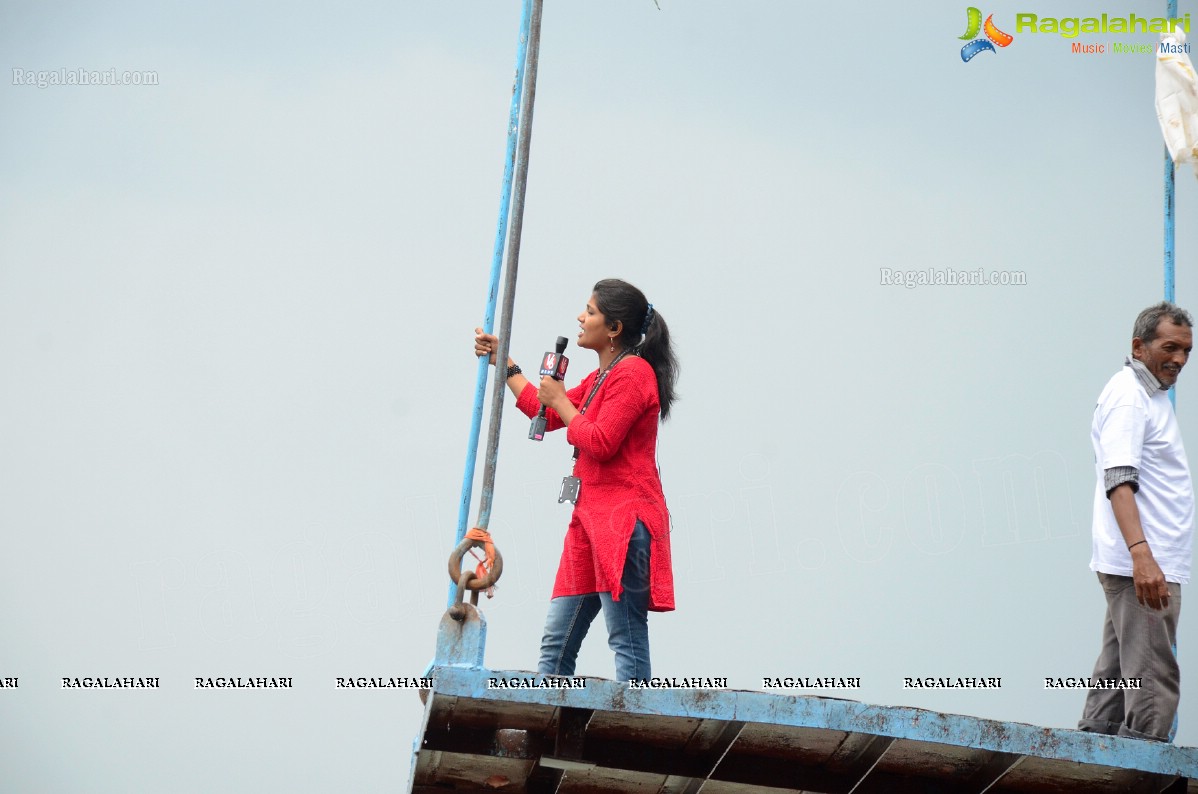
{"x": 501, "y": 232}
{"x": 513, "y": 259}
{"x": 462, "y": 634}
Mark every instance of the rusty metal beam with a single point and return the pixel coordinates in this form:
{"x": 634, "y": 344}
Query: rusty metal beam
{"x": 849, "y": 716}
{"x": 866, "y": 758}
{"x": 571, "y": 733}
{"x": 994, "y": 770}
{"x": 606, "y": 737}
{"x": 705, "y": 749}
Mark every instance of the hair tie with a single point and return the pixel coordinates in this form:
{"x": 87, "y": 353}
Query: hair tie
{"x": 649, "y": 314}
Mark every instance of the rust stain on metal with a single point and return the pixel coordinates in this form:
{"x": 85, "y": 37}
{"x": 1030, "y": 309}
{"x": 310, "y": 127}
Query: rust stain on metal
{"x": 996, "y": 732}
{"x": 1049, "y": 741}
{"x": 511, "y": 742}
{"x": 876, "y": 722}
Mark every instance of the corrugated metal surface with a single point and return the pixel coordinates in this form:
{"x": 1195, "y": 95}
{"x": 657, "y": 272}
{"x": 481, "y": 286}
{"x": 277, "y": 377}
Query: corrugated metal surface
{"x": 607, "y": 738}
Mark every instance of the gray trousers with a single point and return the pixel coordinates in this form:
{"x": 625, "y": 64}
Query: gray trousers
{"x": 1137, "y": 642}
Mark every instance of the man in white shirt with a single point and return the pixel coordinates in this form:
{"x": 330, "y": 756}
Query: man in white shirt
{"x": 1143, "y": 532}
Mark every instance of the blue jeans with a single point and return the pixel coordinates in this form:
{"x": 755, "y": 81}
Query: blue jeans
{"x": 627, "y": 619}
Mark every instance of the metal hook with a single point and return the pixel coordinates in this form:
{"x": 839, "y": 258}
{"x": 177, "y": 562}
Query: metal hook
{"x": 466, "y": 580}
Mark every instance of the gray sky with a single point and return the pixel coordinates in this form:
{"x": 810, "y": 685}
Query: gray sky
{"x": 235, "y": 323}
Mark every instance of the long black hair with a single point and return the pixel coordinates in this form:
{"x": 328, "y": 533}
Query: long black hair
{"x": 644, "y": 331}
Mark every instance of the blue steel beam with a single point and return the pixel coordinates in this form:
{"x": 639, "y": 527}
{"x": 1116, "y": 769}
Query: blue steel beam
{"x": 899, "y": 722}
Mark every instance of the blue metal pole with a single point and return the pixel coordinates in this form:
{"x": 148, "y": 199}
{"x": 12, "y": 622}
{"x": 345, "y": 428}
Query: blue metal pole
{"x": 1170, "y": 286}
{"x": 480, "y": 389}
{"x": 1170, "y": 276}
{"x": 519, "y": 187}
{"x": 1169, "y": 201}
{"x": 1169, "y": 209}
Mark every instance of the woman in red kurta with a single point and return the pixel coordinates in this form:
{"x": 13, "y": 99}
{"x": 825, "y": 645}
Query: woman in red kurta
{"x": 617, "y": 548}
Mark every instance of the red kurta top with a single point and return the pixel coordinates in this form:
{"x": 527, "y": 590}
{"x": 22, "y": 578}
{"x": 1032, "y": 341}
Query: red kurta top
{"x": 617, "y": 442}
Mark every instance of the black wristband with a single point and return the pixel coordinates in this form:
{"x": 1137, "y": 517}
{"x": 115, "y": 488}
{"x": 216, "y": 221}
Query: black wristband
{"x": 1137, "y": 543}
{"x": 513, "y": 369}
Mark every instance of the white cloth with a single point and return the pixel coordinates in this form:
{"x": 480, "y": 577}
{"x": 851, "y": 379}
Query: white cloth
{"x": 1177, "y": 98}
{"x": 1134, "y": 428}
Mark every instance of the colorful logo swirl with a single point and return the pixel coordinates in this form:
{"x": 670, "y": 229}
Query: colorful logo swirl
{"x": 974, "y": 25}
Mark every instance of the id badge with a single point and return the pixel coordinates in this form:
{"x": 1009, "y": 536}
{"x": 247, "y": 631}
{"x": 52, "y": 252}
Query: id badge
{"x": 569, "y": 492}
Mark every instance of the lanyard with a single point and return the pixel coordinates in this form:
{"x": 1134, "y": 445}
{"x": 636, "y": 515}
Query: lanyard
{"x": 599, "y": 382}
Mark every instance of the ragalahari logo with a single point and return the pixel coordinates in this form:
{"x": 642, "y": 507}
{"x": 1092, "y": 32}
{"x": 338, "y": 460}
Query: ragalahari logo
{"x": 994, "y": 36}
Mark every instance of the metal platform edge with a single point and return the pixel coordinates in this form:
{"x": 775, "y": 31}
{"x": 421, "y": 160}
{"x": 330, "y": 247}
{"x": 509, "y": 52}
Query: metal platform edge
{"x": 805, "y": 711}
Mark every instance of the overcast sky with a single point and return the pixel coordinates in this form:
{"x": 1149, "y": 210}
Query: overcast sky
{"x": 236, "y": 311}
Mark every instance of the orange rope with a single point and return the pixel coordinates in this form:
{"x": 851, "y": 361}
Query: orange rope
{"x": 484, "y": 565}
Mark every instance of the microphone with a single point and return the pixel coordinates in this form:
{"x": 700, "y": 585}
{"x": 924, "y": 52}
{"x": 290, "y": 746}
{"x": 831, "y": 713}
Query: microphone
{"x": 554, "y": 365}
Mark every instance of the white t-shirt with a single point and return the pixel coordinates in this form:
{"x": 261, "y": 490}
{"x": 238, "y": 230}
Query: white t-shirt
{"x": 1134, "y": 428}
